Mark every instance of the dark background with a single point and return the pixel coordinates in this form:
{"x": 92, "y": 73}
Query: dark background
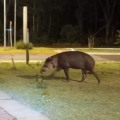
{"x": 66, "y": 21}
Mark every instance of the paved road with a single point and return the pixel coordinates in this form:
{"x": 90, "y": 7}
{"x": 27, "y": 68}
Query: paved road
{"x": 111, "y": 57}
{"x": 40, "y": 57}
{"x": 22, "y": 57}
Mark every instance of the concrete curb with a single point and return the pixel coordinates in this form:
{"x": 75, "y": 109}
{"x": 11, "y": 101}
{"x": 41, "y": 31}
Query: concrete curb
{"x": 18, "y": 110}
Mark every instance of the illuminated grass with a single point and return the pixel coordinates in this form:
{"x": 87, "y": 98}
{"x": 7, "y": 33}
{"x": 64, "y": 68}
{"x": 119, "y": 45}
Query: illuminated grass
{"x": 35, "y": 50}
{"x": 48, "y": 50}
{"x": 60, "y": 100}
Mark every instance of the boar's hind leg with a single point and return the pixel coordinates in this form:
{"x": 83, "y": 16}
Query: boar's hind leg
{"x": 83, "y": 75}
{"x": 66, "y": 71}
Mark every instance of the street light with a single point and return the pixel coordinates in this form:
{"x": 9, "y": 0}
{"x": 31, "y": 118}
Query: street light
{"x": 14, "y": 22}
{"x": 4, "y": 23}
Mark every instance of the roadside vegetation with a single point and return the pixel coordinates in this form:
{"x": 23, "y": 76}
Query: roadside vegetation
{"x": 60, "y": 100}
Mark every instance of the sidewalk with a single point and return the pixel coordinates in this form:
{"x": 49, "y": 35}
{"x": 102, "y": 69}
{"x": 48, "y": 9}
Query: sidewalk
{"x": 11, "y": 109}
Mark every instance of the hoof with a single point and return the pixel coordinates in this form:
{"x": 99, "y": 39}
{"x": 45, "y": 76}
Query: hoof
{"x": 81, "y": 80}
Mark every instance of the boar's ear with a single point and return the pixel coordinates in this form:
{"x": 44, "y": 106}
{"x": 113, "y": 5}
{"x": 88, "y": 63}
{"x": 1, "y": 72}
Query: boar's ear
{"x": 49, "y": 59}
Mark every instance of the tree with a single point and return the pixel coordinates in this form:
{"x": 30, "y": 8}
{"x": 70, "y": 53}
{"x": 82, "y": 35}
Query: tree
{"x": 70, "y": 34}
{"x": 65, "y": 29}
{"x": 108, "y": 8}
{"x": 87, "y": 16}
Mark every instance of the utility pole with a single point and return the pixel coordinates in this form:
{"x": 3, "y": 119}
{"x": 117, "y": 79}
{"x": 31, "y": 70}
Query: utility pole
{"x": 4, "y": 24}
{"x": 25, "y": 33}
{"x": 14, "y": 22}
{"x": 11, "y": 43}
{"x": 25, "y": 24}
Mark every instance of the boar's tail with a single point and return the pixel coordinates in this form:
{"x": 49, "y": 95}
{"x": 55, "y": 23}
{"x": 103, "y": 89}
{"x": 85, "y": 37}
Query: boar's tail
{"x": 96, "y": 77}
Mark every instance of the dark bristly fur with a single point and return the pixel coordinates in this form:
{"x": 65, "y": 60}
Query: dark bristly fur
{"x": 71, "y": 59}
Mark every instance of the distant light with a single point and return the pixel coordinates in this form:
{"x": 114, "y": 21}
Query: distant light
{"x": 72, "y": 49}
{"x": 8, "y": 29}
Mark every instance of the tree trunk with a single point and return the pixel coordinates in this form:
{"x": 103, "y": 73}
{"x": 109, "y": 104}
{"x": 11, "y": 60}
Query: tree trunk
{"x": 90, "y": 41}
{"x": 107, "y": 34}
{"x": 27, "y": 55}
{"x": 34, "y": 17}
{"x": 108, "y": 7}
{"x": 49, "y": 26}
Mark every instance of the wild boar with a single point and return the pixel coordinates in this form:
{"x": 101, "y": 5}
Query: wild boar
{"x": 71, "y": 59}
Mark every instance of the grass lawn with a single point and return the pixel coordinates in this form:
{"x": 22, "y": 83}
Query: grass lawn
{"x": 35, "y": 50}
{"x": 60, "y": 100}
{"x": 48, "y": 50}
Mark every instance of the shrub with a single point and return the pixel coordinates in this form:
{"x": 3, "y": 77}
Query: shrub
{"x": 70, "y": 34}
{"x": 65, "y": 30}
{"x": 44, "y": 39}
{"x": 29, "y": 45}
{"x": 117, "y": 37}
{"x": 73, "y": 35}
{"x": 21, "y": 45}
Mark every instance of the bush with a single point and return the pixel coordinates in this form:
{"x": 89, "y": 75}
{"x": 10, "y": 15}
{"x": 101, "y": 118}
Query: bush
{"x": 29, "y": 45}
{"x": 21, "y": 45}
{"x": 44, "y": 39}
{"x": 117, "y": 37}
{"x": 73, "y": 35}
{"x": 70, "y": 34}
{"x": 64, "y": 31}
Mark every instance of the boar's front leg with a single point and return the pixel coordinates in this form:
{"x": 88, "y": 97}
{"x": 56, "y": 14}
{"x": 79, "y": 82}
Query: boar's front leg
{"x": 83, "y": 75}
{"x": 66, "y": 71}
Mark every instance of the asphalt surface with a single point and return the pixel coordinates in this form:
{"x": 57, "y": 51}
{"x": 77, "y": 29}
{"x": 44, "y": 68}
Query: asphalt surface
{"x": 41, "y": 57}
{"x": 111, "y": 57}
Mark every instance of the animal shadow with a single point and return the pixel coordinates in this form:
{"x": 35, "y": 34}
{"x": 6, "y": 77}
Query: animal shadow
{"x": 27, "y": 76}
